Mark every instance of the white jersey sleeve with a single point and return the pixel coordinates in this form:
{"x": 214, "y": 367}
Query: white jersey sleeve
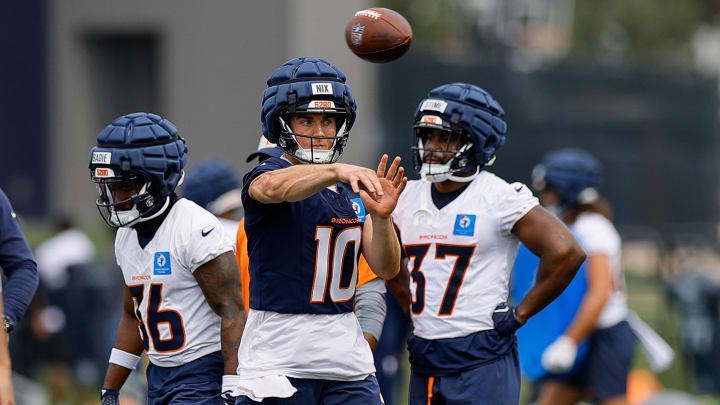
{"x": 597, "y": 235}
{"x": 205, "y": 239}
{"x": 513, "y": 201}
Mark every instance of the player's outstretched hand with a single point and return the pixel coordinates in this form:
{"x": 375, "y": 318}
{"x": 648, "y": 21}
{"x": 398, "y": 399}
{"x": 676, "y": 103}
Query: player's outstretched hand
{"x": 393, "y": 183}
{"x": 360, "y": 178}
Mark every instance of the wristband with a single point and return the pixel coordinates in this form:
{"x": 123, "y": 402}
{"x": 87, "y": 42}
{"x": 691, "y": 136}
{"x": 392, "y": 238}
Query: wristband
{"x": 124, "y": 359}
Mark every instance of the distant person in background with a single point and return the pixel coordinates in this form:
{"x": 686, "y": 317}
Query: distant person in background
{"x": 213, "y": 185}
{"x": 60, "y": 311}
{"x": 568, "y": 181}
{"x": 69, "y": 246}
{"x": 18, "y": 265}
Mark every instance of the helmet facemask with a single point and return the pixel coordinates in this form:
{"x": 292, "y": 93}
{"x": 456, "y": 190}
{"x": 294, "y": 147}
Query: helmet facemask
{"x": 127, "y": 198}
{"x": 433, "y": 164}
{"x": 290, "y": 141}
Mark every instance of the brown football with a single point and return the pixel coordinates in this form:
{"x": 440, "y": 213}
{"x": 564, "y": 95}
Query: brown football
{"x": 378, "y": 35}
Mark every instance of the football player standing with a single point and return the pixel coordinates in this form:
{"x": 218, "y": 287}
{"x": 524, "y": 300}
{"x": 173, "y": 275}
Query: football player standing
{"x": 307, "y": 219}
{"x": 370, "y": 307}
{"x": 461, "y": 229}
{"x": 568, "y": 180}
{"x": 183, "y": 303}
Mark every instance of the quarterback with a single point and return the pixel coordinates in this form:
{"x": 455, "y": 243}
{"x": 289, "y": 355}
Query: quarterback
{"x": 307, "y": 220}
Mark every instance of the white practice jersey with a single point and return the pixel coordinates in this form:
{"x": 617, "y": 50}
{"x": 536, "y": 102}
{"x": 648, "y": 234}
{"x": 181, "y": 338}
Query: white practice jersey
{"x": 311, "y": 346}
{"x": 598, "y": 236}
{"x": 177, "y": 324}
{"x": 460, "y": 256}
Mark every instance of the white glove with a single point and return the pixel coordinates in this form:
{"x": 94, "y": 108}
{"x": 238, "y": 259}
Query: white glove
{"x": 559, "y": 357}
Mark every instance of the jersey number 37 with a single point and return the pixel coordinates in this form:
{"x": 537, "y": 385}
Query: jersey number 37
{"x": 417, "y": 253}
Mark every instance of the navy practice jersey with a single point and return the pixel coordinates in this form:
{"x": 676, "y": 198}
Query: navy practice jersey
{"x": 304, "y": 254}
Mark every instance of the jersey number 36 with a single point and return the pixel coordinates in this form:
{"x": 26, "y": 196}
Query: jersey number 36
{"x": 155, "y": 317}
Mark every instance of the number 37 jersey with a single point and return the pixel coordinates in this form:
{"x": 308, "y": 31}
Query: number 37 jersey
{"x": 176, "y": 324}
{"x": 460, "y": 256}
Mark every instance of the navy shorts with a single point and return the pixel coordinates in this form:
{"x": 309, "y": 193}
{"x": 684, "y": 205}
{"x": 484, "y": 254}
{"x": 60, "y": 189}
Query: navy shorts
{"x": 197, "y": 382}
{"x": 605, "y": 370}
{"x": 326, "y": 392}
{"x": 493, "y": 383}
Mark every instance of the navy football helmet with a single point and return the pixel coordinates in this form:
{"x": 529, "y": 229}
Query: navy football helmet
{"x": 573, "y": 173}
{"x": 461, "y": 110}
{"x": 136, "y": 166}
{"x": 309, "y": 85}
{"x": 213, "y": 185}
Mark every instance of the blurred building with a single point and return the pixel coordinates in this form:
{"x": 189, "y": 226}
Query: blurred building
{"x": 202, "y": 65}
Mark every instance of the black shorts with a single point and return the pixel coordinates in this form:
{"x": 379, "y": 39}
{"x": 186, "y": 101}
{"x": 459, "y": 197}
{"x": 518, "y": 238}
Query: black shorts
{"x": 604, "y": 371}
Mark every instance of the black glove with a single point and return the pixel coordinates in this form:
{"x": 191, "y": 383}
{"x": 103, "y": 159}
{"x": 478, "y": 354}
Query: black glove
{"x": 505, "y": 320}
{"x": 109, "y": 397}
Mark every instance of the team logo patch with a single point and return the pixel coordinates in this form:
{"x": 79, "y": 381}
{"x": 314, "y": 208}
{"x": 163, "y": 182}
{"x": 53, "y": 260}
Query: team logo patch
{"x": 434, "y": 105}
{"x": 101, "y": 158}
{"x": 359, "y": 208}
{"x": 322, "y": 88}
{"x": 464, "y": 225}
{"x": 161, "y": 265}
{"x": 356, "y": 34}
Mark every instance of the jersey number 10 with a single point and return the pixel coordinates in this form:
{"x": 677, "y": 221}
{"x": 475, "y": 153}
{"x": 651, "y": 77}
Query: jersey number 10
{"x": 323, "y": 266}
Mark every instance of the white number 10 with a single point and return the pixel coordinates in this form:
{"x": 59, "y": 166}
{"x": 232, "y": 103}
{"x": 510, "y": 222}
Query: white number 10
{"x": 323, "y": 236}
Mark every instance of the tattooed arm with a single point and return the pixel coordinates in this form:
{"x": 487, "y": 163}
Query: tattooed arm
{"x": 219, "y": 280}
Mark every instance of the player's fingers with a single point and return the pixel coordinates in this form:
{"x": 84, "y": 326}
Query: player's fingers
{"x": 392, "y": 172}
{"x": 373, "y": 180}
{"x": 376, "y": 183}
{"x": 382, "y": 165}
{"x": 402, "y": 185}
{"x": 399, "y": 177}
{"x": 366, "y": 183}
{"x": 354, "y": 184}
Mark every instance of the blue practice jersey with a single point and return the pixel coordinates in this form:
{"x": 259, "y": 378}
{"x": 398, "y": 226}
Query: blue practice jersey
{"x": 304, "y": 254}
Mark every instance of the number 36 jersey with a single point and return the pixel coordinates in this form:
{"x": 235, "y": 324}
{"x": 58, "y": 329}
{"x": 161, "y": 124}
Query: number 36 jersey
{"x": 460, "y": 256}
{"x": 177, "y": 324}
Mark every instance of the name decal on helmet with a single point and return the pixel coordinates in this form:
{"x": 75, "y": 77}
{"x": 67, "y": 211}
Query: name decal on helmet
{"x": 322, "y": 88}
{"x": 369, "y": 13}
{"x": 434, "y": 105}
{"x": 101, "y": 157}
{"x": 103, "y": 172}
{"x": 321, "y": 104}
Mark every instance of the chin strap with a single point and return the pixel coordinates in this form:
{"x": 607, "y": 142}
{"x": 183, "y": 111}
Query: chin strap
{"x": 157, "y": 214}
{"x": 465, "y": 179}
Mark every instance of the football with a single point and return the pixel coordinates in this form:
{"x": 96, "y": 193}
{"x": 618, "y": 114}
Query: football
{"x": 378, "y": 35}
